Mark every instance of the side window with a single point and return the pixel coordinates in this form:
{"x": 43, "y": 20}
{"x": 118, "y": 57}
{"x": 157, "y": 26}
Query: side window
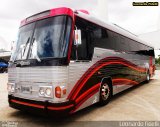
{"x": 111, "y": 42}
{"x": 124, "y": 44}
{"x": 106, "y": 39}
{"x": 149, "y": 51}
{"x": 133, "y": 45}
{"x": 100, "y": 37}
{"x": 85, "y": 50}
{"x": 82, "y": 49}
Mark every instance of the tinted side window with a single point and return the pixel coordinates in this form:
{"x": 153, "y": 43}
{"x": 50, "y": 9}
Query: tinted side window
{"x": 97, "y": 36}
{"x": 85, "y": 50}
{"x": 123, "y": 44}
{"x": 100, "y": 37}
{"x": 105, "y": 39}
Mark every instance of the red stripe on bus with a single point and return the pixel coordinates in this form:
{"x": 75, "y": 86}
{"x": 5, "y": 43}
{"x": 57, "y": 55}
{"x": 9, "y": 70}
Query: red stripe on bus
{"x": 27, "y": 104}
{"x": 60, "y": 108}
{"x": 84, "y": 99}
{"x": 95, "y": 87}
{"x": 85, "y": 96}
{"x": 96, "y": 69}
{"x": 95, "y": 65}
{"x": 118, "y": 80}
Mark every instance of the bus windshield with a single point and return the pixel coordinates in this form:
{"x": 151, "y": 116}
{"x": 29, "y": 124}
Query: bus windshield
{"x": 47, "y": 38}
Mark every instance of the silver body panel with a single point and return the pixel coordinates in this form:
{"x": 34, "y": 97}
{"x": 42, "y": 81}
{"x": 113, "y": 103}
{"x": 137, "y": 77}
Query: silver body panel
{"x": 69, "y": 75}
{"x": 35, "y": 77}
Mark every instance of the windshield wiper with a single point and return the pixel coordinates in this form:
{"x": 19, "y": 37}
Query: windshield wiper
{"x": 25, "y": 46}
{"x": 31, "y": 49}
{"x": 38, "y": 59}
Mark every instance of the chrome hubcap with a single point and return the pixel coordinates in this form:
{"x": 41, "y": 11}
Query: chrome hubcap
{"x": 148, "y": 77}
{"x": 105, "y": 91}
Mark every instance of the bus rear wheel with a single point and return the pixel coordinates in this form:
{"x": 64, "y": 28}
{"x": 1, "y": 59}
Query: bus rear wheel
{"x": 105, "y": 94}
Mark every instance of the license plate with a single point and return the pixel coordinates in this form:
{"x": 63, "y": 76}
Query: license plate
{"x": 25, "y": 89}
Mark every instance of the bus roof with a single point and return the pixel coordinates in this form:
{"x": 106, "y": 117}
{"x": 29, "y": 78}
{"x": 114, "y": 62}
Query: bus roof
{"x": 85, "y": 15}
{"x": 47, "y": 14}
{"x": 113, "y": 27}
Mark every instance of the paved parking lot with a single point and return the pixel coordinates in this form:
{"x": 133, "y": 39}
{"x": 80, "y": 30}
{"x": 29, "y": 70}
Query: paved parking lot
{"x": 136, "y": 104}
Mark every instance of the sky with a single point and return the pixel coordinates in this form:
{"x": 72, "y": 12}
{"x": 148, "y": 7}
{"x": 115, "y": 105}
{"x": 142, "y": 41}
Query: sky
{"x": 138, "y": 20}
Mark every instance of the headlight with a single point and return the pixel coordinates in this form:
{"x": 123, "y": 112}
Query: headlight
{"x": 45, "y": 91}
{"x": 41, "y": 91}
{"x": 48, "y": 91}
{"x": 11, "y": 87}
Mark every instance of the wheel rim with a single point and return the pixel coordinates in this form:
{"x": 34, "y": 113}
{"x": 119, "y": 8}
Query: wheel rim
{"x": 105, "y": 91}
{"x": 148, "y": 77}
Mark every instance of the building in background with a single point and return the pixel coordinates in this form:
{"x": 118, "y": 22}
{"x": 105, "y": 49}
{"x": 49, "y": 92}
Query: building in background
{"x": 5, "y": 56}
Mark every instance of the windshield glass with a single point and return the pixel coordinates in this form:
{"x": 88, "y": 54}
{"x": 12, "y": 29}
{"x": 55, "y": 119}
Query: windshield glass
{"x": 46, "y": 38}
{"x": 22, "y": 45}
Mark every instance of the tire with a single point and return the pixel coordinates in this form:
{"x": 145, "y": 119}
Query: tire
{"x": 6, "y": 70}
{"x": 3, "y": 70}
{"x": 105, "y": 94}
{"x": 147, "y": 77}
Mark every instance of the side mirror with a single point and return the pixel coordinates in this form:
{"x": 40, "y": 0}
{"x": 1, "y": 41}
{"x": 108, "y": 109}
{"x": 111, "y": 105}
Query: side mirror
{"x": 78, "y": 40}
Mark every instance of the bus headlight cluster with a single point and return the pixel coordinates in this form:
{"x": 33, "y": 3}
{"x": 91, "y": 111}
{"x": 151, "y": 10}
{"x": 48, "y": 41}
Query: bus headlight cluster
{"x": 45, "y": 91}
{"x": 11, "y": 87}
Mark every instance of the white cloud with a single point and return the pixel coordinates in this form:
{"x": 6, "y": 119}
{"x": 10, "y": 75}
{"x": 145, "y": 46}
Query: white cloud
{"x": 12, "y": 12}
{"x": 3, "y": 43}
{"x": 136, "y": 19}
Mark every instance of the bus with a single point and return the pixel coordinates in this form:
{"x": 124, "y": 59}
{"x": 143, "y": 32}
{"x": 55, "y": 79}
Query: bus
{"x": 65, "y": 60}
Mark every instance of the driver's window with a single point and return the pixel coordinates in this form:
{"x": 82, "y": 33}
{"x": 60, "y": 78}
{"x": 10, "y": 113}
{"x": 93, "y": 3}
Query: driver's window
{"x": 84, "y": 51}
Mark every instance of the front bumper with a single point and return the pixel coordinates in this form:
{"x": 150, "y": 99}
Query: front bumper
{"x": 38, "y": 107}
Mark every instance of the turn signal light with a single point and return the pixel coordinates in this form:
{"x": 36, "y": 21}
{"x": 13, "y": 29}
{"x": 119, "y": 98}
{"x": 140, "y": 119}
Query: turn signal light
{"x": 60, "y": 91}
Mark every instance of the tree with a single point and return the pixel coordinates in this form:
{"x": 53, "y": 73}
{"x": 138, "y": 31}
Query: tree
{"x": 158, "y": 61}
